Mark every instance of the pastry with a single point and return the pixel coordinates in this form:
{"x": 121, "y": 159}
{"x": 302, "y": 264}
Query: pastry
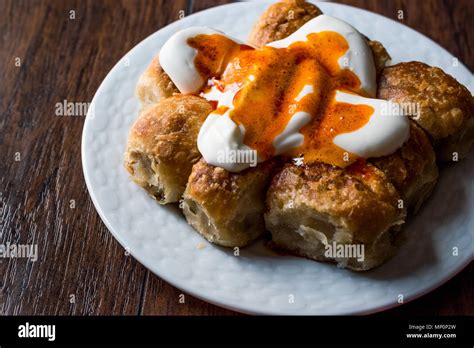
{"x": 380, "y": 54}
{"x": 302, "y": 132}
{"x": 161, "y": 148}
{"x": 283, "y": 18}
{"x": 227, "y": 208}
{"x": 280, "y": 20}
{"x": 444, "y": 107}
{"x": 411, "y": 169}
{"x": 154, "y": 84}
{"x": 313, "y": 208}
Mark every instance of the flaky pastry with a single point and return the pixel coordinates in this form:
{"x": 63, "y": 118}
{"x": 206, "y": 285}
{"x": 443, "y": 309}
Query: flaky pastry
{"x": 227, "y": 208}
{"x": 306, "y": 208}
{"x": 312, "y": 207}
{"x": 161, "y": 147}
{"x": 445, "y": 107}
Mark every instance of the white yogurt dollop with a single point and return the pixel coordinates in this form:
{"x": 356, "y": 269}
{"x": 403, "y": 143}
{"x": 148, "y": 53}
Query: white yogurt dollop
{"x": 177, "y": 59}
{"x": 382, "y": 135}
{"x": 220, "y": 136}
{"x": 221, "y": 143}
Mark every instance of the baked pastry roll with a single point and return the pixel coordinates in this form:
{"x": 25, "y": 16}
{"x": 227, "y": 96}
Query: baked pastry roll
{"x": 380, "y": 54}
{"x": 227, "y": 208}
{"x": 445, "y": 107}
{"x": 412, "y": 169}
{"x": 284, "y": 18}
{"x": 311, "y": 207}
{"x": 162, "y": 149}
{"x": 154, "y": 84}
{"x": 281, "y": 20}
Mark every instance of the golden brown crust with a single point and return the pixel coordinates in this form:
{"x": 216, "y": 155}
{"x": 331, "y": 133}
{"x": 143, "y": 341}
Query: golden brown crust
{"x": 309, "y": 206}
{"x": 380, "y": 54}
{"x": 162, "y": 147}
{"x": 154, "y": 84}
{"x": 227, "y": 208}
{"x": 412, "y": 169}
{"x": 284, "y": 18}
{"x": 445, "y": 107}
{"x": 363, "y": 199}
{"x": 280, "y": 20}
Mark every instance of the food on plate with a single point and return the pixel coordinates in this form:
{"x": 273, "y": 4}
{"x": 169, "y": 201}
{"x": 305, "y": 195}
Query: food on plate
{"x": 311, "y": 208}
{"x": 161, "y": 147}
{"x": 302, "y": 132}
{"x": 380, "y": 54}
{"x": 445, "y": 107}
{"x": 154, "y": 84}
{"x": 227, "y": 208}
{"x": 281, "y": 20}
{"x": 310, "y": 95}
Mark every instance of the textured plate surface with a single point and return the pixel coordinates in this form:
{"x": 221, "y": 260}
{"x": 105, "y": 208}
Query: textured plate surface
{"x": 259, "y": 281}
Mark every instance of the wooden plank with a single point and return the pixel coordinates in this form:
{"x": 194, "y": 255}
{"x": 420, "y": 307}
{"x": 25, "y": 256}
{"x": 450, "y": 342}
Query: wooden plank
{"x": 62, "y": 58}
{"x": 199, "y": 5}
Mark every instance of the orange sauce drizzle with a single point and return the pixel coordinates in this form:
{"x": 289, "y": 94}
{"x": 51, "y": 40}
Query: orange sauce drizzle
{"x": 214, "y": 53}
{"x": 270, "y": 79}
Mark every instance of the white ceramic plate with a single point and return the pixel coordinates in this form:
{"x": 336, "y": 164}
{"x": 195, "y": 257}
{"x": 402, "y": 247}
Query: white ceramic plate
{"x": 259, "y": 281}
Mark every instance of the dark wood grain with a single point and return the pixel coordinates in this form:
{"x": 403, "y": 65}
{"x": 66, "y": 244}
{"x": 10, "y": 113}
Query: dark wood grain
{"x": 67, "y": 59}
{"x": 62, "y": 59}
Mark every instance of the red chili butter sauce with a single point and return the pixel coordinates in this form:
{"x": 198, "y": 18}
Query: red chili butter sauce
{"x": 269, "y": 79}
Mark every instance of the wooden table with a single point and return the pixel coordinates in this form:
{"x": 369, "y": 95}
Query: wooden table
{"x": 44, "y": 200}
